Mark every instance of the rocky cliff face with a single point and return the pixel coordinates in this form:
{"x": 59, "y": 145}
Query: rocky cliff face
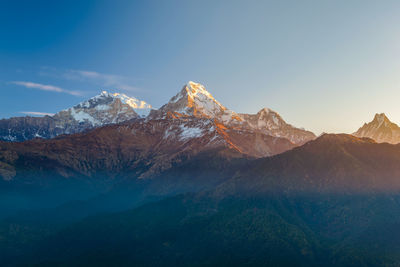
{"x": 26, "y": 128}
{"x": 381, "y": 129}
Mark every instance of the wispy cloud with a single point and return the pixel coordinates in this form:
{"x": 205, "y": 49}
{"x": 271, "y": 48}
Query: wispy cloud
{"x": 46, "y": 87}
{"x": 35, "y": 113}
{"x": 107, "y": 80}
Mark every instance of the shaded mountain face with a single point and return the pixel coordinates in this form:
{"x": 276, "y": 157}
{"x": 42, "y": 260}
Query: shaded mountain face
{"x": 330, "y": 164}
{"x": 195, "y": 100}
{"x": 106, "y": 108}
{"x": 381, "y": 129}
{"x": 147, "y": 149}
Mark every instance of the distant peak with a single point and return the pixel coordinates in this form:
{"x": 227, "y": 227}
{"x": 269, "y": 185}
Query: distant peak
{"x": 270, "y": 113}
{"x": 109, "y": 97}
{"x": 380, "y": 116}
{"x": 195, "y": 100}
{"x": 190, "y": 83}
{"x": 381, "y": 129}
{"x": 113, "y": 95}
{"x": 265, "y": 110}
{"x": 194, "y": 95}
{"x": 194, "y": 85}
{"x": 194, "y": 89}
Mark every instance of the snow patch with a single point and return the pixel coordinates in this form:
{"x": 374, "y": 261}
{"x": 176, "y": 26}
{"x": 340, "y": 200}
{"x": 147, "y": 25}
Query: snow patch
{"x": 82, "y": 116}
{"x": 102, "y": 107}
{"x": 189, "y": 132}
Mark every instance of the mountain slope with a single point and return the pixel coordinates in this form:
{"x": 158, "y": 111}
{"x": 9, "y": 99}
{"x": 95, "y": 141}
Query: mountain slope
{"x": 103, "y": 109}
{"x": 381, "y": 129}
{"x": 138, "y": 149}
{"x": 331, "y": 163}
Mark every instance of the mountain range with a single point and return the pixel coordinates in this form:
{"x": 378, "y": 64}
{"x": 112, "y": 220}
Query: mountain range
{"x": 192, "y": 101}
{"x": 194, "y": 183}
{"x": 118, "y": 136}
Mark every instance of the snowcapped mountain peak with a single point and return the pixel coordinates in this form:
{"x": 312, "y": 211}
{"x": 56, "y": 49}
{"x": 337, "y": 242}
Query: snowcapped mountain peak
{"x": 381, "y": 129}
{"x": 110, "y": 97}
{"x": 196, "y": 90}
{"x": 265, "y": 111}
{"x": 380, "y": 118}
{"x": 197, "y": 97}
{"x": 102, "y": 109}
{"x": 195, "y": 100}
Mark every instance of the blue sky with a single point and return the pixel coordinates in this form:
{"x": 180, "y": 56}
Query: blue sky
{"x": 328, "y": 66}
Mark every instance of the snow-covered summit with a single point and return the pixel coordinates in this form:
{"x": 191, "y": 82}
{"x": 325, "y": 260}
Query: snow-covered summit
{"x": 195, "y": 100}
{"x": 381, "y": 119}
{"x": 107, "y": 97}
{"x": 102, "y": 109}
{"x": 381, "y": 129}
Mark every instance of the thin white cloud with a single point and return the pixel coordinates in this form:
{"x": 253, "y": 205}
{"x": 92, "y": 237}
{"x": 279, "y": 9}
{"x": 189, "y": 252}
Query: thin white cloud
{"x": 108, "y": 80}
{"x": 36, "y": 113}
{"x": 89, "y": 74}
{"x": 46, "y": 87}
